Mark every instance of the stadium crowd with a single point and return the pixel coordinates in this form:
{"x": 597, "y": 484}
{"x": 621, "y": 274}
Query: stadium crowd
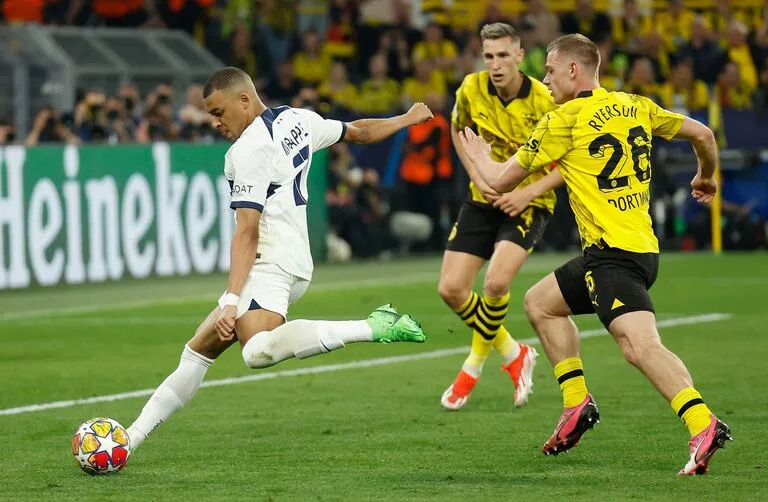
{"x": 376, "y": 57}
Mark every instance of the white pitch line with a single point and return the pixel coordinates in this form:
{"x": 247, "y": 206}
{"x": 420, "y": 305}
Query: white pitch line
{"x": 366, "y": 363}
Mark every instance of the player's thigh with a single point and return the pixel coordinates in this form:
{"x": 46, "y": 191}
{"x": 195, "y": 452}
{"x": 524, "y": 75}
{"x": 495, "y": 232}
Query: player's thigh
{"x": 458, "y": 271}
{"x": 546, "y": 298}
{"x": 507, "y": 259}
{"x": 561, "y": 293}
{"x": 206, "y": 341}
{"x": 265, "y": 298}
{"x": 618, "y": 282}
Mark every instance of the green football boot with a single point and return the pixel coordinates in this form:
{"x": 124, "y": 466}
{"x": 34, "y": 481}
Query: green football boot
{"x": 389, "y": 326}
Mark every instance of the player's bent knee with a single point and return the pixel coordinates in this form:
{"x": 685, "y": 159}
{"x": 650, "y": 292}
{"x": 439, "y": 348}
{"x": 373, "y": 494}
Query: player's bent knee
{"x": 451, "y": 294}
{"x": 258, "y": 352}
{"x": 495, "y": 288}
{"x": 532, "y": 303}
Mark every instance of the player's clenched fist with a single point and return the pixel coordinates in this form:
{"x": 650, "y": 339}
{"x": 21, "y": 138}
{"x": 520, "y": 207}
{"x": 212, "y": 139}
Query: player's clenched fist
{"x": 419, "y": 113}
{"x": 703, "y": 188}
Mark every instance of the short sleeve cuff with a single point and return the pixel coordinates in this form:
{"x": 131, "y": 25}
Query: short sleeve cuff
{"x": 247, "y": 205}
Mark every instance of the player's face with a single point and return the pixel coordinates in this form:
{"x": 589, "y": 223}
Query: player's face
{"x": 228, "y": 113}
{"x": 502, "y": 58}
{"x": 559, "y": 77}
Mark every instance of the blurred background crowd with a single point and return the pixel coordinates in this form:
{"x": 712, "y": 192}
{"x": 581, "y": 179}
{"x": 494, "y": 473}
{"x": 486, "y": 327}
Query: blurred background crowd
{"x": 351, "y": 58}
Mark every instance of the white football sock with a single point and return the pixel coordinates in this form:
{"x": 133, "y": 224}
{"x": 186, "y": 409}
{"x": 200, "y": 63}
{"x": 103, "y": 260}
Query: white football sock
{"x": 302, "y": 339}
{"x": 175, "y": 391}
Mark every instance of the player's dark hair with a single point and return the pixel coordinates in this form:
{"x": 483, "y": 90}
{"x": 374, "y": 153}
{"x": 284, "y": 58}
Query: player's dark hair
{"x": 578, "y": 46}
{"x": 495, "y": 31}
{"x": 224, "y": 79}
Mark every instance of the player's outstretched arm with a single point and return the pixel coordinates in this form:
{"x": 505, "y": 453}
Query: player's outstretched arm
{"x": 365, "y": 131}
{"x": 704, "y": 185}
{"x": 500, "y": 176}
{"x": 490, "y": 194}
{"x": 242, "y": 254}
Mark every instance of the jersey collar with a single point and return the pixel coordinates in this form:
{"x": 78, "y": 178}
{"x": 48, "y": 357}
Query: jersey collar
{"x": 525, "y": 89}
{"x": 599, "y": 91}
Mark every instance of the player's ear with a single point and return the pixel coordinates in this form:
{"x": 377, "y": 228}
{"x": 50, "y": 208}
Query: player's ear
{"x": 520, "y": 55}
{"x": 573, "y": 70}
{"x": 245, "y": 101}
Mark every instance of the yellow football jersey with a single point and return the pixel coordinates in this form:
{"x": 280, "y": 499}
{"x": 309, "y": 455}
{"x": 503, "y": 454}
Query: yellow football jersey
{"x": 601, "y": 142}
{"x": 505, "y": 126}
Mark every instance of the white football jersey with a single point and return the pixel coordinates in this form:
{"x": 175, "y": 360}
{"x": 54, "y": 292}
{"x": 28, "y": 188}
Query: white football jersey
{"x": 267, "y": 170}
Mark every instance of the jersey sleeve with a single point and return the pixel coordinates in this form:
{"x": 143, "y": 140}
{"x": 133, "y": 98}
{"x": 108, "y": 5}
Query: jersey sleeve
{"x": 325, "y": 132}
{"x": 548, "y": 143}
{"x": 461, "y": 115}
{"x": 664, "y": 123}
{"x": 252, "y": 175}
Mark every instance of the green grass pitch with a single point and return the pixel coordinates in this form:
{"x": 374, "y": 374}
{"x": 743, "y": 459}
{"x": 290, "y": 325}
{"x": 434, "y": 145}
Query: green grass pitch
{"x": 377, "y": 432}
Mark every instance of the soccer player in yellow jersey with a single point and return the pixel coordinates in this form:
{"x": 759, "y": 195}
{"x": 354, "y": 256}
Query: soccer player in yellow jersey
{"x": 601, "y": 142}
{"x": 503, "y": 105}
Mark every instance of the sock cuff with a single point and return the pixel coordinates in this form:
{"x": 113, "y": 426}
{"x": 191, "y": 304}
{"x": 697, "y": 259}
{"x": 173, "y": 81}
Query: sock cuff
{"x": 572, "y": 364}
{"x": 469, "y": 302}
{"x": 496, "y": 301}
{"x": 685, "y": 399}
{"x": 191, "y": 355}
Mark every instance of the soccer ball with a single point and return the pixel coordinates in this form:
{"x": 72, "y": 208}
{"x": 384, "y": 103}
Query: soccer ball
{"x": 101, "y": 446}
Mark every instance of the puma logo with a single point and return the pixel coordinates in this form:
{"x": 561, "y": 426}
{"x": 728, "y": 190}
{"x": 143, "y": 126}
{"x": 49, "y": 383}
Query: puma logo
{"x": 523, "y": 231}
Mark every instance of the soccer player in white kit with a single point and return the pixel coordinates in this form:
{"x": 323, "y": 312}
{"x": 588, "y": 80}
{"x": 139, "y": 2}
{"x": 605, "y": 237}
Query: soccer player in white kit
{"x": 270, "y": 261}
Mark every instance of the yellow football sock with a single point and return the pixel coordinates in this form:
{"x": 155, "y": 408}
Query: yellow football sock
{"x": 570, "y": 375}
{"x": 690, "y": 407}
{"x": 467, "y": 310}
{"x": 490, "y": 315}
{"x": 506, "y": 345}
{"x": 481, "y": 349}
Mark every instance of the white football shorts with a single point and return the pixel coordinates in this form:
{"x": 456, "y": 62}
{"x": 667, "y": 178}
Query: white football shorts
{"x": 269, "y": 287}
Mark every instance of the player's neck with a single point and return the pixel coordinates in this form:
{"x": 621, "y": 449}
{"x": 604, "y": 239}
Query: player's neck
{"x": 586, "y": 86}
{"x": 510, "y": 90}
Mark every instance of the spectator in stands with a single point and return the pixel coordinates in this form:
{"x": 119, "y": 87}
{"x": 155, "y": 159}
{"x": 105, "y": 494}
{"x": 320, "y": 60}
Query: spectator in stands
{"x": 338, "y": 96}
{"x": 470, "y": 59}
{"x": 129, "y": 94}
{"x": 613, "y": 65}
{"x": 393, "y": 44}
{"x": 642, "y": 80}
{"x": 157, "y": 124}
{"x": 48, "y": 127}
{"x": 119, "y": 126}
{"x": 725, "y": 13}
{"x": 682, "y": 93}
{"x": 436, "y": 48}
{"x": 195, "y": 124}
{"x": 187, "y": 15}
{"x": 342, "y": 31}
{"x": 731, "y": 91}
{"x": 7, "y": 132}
{"x": 587, "y": 21}
{"x": 277, "y": 25}
{"x": 708, "y": 59}
{"x": 655, "y": 50}
{"x": 355, "y": 210}
{"x": 307, "y": 98}
{"x": 630, "y": 28}
{"x": 90, "y": 121}
{"x": 427, "y": 169}
{"x": 379, "y": 94}
{"x": 545, "y": 25}
{"x": 739, "y": 52}
{"x": 311, "y": 64}
{"x": 242, "y": 53}
{"x": 674, "y": 24}
{"x": 760, "y": 96}
{"x": 284, "y": 86}
{"x": 426, "y": 79}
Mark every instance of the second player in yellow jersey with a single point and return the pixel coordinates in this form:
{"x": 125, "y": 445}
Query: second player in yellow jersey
{"x": 503, "y": 105}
